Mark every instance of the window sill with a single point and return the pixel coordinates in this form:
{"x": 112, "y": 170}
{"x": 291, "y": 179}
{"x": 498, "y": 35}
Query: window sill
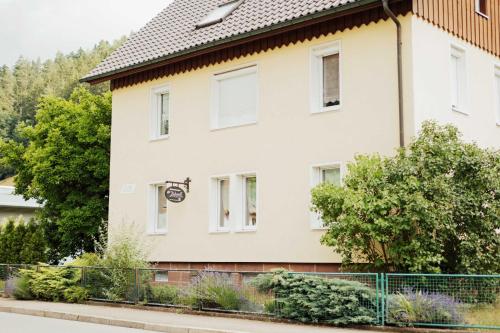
{"x": 223, "y": 231}
{"x": 327, "y": 109}
{"x": 459, "y": 111}
{"x": 316, "y": 228}
{"x": 246, "y": 230}
{"x": 157, "y": 233}
{"x": 482, "y": 14}
{"x": 160, "y": 138}
{"x": 215, "y": 129}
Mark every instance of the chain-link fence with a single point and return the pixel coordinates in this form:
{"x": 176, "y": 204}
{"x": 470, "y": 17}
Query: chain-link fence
{"x": 442, "y": 300}
{"x": 437, "y": 300}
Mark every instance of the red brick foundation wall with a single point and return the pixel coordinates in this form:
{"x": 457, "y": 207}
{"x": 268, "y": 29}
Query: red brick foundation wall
{"x": 252, "y": 267}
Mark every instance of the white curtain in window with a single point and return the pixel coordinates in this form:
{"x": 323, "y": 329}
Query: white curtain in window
{"x": 454, "y": 78}
{"x": 161, "y": 222}
{"x": 237, "y": 100}
{"x": 223, "y": 203}
{"x": 331, "y": 87}
{"x": 251, "y": 201}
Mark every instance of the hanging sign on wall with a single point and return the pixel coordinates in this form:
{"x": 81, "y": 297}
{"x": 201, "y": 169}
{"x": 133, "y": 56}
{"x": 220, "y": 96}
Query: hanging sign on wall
{"x": 174, "y": 192}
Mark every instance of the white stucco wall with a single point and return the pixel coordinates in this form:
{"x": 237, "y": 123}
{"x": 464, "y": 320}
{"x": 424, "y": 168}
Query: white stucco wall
{"x": 281, "y": 148}
{"x": 431, "y": 80}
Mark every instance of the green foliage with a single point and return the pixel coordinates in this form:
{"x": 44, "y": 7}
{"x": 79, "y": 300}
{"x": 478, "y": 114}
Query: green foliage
{"x": 22, "y": 288}
{"x": 162, "y": 294}
{"x": 314, "y": 299}
{"x": 211, "y": 290}
{"x": 22, "y": 243}
{"x": 65, "y": 165}
{"x": 434, "y": 207}
{"x": 86, "y": 260}
{"x": 22, "y": 86}
{"x": 50, "y": 284}
{"x": 76, "y": 294}
{"x": 421, "y": 307}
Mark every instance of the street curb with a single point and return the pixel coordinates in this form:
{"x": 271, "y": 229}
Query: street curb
{"x": 111, "y": 321}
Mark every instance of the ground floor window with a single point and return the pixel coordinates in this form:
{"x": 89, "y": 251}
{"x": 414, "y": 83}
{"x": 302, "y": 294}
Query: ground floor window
{"x": 158, "y": 208}
{"x": 328, "y": 173}
{"x": 233, "y": 202}
{"x": 250, "y": 185}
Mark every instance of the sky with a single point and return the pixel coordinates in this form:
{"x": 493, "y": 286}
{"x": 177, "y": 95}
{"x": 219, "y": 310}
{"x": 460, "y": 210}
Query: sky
{"x": 39, "y": 28}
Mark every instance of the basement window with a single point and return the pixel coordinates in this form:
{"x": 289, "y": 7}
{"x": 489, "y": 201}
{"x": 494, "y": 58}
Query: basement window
{"x": 219, "y": 13}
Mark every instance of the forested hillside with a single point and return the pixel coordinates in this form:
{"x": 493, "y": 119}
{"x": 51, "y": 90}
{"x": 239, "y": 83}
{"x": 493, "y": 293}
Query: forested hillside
{"x": 22, "y": 85}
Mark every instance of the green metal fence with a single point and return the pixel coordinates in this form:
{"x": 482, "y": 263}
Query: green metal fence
{"x": 437, "y": 300}
{"x": 442, "y": 300}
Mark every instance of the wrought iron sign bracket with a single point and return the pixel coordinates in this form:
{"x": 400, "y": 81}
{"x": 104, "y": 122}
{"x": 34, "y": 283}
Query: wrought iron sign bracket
{"x": 185, "y": 183}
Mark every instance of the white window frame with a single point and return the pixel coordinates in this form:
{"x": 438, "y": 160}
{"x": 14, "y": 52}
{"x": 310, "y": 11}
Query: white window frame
{"x": 478, "y": 11}
{"x": 153, "y": 209}
{"x": 460, "y": 53}
{"x": 157, "y": 273}
{"x": 496, "y": 94}
{"x": 315, "y": 221}
{"x": 215, "y": 95}
{"x": 237, "y": 203}
{"x": 243, "y": 178}
{"x": 316, "y": 82}
{"x": 155, "y": 110}
{"x": 214, "y": 208}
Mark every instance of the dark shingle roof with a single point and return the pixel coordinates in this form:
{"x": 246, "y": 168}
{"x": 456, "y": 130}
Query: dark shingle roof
{"x": 173, "y": 30}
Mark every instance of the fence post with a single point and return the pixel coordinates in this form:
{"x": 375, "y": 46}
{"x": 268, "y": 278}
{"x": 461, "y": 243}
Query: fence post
{"x": 83, "y": 276}
{"x": 383, "y": 298}
{"x": 137, "y": 286}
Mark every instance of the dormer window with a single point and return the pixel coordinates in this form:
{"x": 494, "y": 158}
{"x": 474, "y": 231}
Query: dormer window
{"x": 219, "y": 13}
{"x": 481, "y": 7}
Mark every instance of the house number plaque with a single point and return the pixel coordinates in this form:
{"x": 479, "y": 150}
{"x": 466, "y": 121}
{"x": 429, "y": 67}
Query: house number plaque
{"x": 174, "y": 192}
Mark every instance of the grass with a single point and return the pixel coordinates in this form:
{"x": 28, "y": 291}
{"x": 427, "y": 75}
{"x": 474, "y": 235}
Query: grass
{"x": 2, "y": 285}
{"x": 484, "y": 315}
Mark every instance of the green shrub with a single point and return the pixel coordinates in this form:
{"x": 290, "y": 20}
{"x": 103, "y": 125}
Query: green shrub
{"x": 22, "y": 242}
{"x": 422, "y": 307}
{"x": 46, "y": 283}
{"x": 211, "y": 290}
{"x": 21, "y": 287}
{"x": 76, "y": 294}
{"x": 314, "y": 299}
{"x": 162, "y": 294}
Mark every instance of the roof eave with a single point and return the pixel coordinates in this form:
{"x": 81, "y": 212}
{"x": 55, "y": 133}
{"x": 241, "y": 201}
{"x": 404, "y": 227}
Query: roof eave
{"x": 357, "y": 5}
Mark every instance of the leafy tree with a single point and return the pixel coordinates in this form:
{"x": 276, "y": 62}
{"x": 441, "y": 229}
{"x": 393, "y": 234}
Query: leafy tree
{"x": 22, "y": 243}
{"x": 434, "y": 207}
{"x": 34, "y": 248}
{"x": 22, "y": 86}
{"x": 65, "y": 165}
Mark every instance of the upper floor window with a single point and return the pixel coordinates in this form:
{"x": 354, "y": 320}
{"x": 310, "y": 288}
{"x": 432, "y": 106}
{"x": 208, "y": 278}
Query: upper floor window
{"x": 325, "y": 77}
{"x": 235, "y": 98}
{"x": 160, "y": 113}
{"x": 481, "y": 7}
{"x": 497, "y": 89}
{"x": 457, "y": 79}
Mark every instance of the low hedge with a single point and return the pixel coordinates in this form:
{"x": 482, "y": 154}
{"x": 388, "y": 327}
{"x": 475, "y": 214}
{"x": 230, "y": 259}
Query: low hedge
{"x": 315, "y": 299}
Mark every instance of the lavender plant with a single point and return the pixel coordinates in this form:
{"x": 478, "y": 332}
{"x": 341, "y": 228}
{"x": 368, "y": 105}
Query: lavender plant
{"x": 412, "y": 306}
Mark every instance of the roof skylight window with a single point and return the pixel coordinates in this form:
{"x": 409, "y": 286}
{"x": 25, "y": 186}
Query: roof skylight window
{"x": 219, "y": 13}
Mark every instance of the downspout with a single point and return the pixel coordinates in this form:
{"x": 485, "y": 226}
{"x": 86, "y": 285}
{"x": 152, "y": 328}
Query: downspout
{"x": 390, "y": 13}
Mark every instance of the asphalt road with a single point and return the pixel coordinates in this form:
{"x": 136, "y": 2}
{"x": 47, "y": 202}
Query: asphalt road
{"x": 15, "y": 323}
